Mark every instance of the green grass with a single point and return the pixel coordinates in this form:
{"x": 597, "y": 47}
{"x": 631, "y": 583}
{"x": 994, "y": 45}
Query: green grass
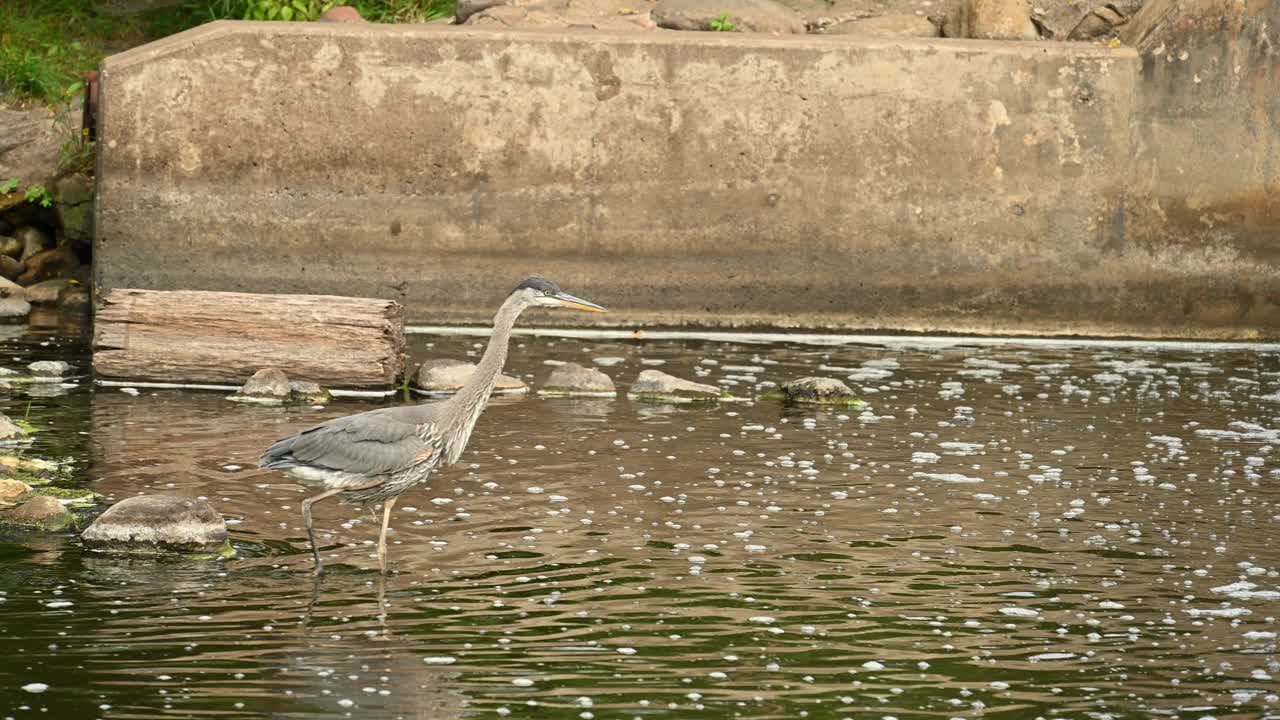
{"x": 47, "y": 45}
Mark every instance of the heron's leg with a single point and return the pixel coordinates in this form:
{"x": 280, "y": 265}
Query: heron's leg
{"x": 306, "y": 519}
{"x": 382, "y": 538}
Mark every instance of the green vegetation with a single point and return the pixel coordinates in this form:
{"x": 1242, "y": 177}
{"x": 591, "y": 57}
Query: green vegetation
{"x": 721, "y": 24}
{"x": 46, "y": 46}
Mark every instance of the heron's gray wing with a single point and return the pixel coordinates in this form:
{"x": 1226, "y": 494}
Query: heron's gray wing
{"x": 369, "y": 444}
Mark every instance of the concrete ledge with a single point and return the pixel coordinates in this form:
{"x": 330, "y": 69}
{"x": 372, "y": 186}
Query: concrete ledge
{"x": 700, "y": 178}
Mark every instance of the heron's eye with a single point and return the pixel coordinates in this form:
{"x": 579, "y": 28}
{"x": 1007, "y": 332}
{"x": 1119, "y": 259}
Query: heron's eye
{"x": 548, "y": 292}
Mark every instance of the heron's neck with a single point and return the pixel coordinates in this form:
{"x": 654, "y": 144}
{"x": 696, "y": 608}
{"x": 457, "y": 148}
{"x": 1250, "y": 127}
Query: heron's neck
{"x": 474, "y": 395}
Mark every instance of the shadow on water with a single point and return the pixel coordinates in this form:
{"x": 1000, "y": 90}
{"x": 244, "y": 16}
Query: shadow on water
{"x": 1005, "y": 532}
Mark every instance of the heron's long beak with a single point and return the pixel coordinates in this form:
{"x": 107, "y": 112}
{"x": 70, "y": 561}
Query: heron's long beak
{"x": 577, "y": 303}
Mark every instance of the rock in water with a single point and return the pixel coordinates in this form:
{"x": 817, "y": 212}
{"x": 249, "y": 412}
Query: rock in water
{"x": 40, "y": 512}
{"x": 11, "y": 490}
{"x": 657, "y": 386}
{"x": 150, "y": 524}
{"x": 46, "y": 291}
{"x": 446, "y": 376}
{"x": 742, "y": 15}
{"x": 10, "y": 432}
{"x": 305, "y": 392}
{"x": 817, "y": 391}
{"x": 10, "y": 267}
{"x": 14, "y": 309}
{"x": 574, "y": 380}
{"x": 49, "y": 368}
{"x": 268, "y": 386}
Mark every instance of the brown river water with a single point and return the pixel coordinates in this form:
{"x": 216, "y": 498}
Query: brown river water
{"x": 1008, "y": 531}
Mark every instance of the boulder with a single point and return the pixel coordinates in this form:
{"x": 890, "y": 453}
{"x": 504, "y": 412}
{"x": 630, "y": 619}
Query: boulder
{"x": 565, "y": 14}
{"x": 11, "y": 267}
{"x": 268, "y": 386}
{"x": 816, "y": 391}
{"x": 74, "y": 206}
{"x": 11, "y": 490}
{"x": 305, "y": 392}
{"x": 742, "y": 15}
{"x": 657, "y": 386}
{"x": 149, "y": 524}
{"x": 887, "y": 26}
{"x": 10, "y": 432}
{"x": 39, "y": 512}
{"x": 46, "y": 292}
{"x": 59, "y": 262}
{"x": 49, "y": 369}
{"x": 447, "y": 376}
{"x": 10, "y": 246}
{"x": 574, "y": 380}
{"x": 992, "y": 20}
{"x": 34, "y": 241}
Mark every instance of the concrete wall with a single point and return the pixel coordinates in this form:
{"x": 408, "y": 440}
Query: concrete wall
{"x": 678, "y": 178}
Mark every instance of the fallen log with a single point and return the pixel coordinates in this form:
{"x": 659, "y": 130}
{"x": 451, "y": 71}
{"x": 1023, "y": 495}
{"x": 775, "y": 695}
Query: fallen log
{"x": 225, "y": 337}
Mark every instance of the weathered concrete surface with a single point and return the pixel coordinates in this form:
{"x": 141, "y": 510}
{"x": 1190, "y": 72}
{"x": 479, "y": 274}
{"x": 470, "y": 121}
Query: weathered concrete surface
{"x": 928, "y": 185}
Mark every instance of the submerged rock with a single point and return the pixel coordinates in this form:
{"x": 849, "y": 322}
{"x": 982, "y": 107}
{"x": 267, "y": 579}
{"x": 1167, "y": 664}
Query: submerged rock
{"x": 574, "y": 380}
{"x": 817, "y": 391}
{"x": 657, "y": 386}
{"x": 41, "y": 513}
{"x": 49, "y": 369}
{"x": 445, "y": 376}
{"x": 306, "y": 392}
{"x": 268, "y": 386}
{"x": 149, "y": 524}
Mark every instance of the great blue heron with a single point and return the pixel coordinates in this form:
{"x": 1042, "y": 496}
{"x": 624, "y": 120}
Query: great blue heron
{"x": 378, "y": 455}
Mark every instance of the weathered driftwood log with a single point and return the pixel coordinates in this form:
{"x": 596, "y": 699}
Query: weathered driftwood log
{"x": 223, "y": 338}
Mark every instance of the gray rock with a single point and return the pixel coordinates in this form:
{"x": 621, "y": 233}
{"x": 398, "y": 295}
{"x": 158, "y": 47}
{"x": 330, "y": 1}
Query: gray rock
{"x": 657, "y": 386}
{"x": 993, "y": 20}
{"x": 13, "y": 309}
{"x": 574, "y": 380}
{"x": 306, "y": 392}
{"x": 46, "y": 292}
{"x": 446, "y": 376}
{"x": 10, "y": 246}
{"x": 744, "y": 15}
{"x": 10, "y": 432}
{"x": 49, "y": 368}
{"x": 268, "y": 386}
{"x": 817, "y": 391}
{"x": 151, "y": 524}
{"x": 41, "y": 513}
{"x": 34, "y": 241}
{"x": 887, "y": 26}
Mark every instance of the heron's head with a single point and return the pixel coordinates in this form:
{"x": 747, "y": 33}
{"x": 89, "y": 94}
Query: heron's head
{"x": 539, "y": 291}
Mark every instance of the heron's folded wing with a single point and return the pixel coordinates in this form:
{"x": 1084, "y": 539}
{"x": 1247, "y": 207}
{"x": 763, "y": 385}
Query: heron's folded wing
{"x": 367, "y": 444}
